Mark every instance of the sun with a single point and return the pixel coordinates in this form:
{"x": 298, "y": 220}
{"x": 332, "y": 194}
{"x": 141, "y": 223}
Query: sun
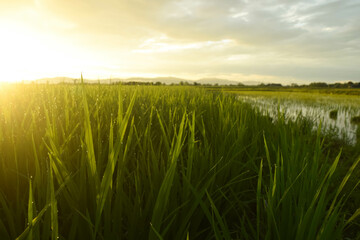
{"x": 20, "y": 49}
{"x": 28, "y": 54}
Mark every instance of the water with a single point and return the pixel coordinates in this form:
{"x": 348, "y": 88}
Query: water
{"x": 316, "y": 110}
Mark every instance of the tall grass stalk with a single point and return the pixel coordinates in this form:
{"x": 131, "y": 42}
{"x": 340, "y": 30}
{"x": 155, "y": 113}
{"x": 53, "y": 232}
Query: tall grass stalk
{"x": 160, "y": 162}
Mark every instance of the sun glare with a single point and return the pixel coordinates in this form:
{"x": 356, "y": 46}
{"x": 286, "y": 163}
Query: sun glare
{"x": 20, "y": 49}
{"x": 28, "y": 54}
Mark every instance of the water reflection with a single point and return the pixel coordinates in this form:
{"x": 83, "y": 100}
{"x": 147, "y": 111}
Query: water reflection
{"x": 316, "y": 110}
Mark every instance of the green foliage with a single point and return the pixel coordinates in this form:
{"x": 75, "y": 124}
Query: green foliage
{"x": 333, "y": 114}
{"x": 159, "y": 162}
{"x": 355, "y": 120}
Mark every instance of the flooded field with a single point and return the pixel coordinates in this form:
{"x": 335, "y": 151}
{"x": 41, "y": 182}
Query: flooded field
{"x": 336, "y": 113}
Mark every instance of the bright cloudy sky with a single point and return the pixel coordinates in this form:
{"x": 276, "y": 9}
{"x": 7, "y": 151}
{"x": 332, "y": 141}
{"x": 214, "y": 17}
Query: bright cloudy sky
{"x": 268, "y": 41}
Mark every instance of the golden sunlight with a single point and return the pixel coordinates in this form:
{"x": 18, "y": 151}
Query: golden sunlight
{"x": 29, "y": 54}
{"x": 25, "y": 52}
{"x": 45, "y": 39}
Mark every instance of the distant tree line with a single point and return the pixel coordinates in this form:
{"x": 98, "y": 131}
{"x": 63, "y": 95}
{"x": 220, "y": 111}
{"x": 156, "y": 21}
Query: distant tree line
{"x": 335, "y": 85}
{"x": 141, "y": 83}
{"x": 316, "y": 85}
{"x": 348, "y": 84}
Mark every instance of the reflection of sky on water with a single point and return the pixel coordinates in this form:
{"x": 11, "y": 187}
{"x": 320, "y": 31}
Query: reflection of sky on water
{"x": 316, "y": 111}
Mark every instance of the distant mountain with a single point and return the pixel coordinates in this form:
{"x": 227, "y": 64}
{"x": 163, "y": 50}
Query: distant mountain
{"x": 174, "y": 80}
{"x": 55, "y": 80}
{"x": 250, "y": 83}
{"x": 218, "y": 81}
{"x": 163, "y": 80}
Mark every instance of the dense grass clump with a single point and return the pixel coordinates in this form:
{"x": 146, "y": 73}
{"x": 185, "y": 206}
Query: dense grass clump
{"x": 355, "y": 120}
{"x": 131, "y": 162}
{"x": 333, "y": 114}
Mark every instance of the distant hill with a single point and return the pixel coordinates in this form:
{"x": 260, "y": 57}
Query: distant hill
{"x": 163, "y": 80}
{"x": 250, "y": 83}
{"x": 55, "y": 80}
{"x": 218, "y": 81}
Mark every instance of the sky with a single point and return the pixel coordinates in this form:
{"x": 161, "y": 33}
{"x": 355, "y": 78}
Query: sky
{"x": 279, "y": 41}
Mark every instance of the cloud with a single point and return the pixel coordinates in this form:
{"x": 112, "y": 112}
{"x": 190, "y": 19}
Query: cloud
{"x": 305, "y": 40}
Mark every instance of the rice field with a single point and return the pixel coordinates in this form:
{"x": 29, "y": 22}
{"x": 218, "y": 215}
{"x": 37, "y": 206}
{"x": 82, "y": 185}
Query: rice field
{"x": 335, "y": 113}
{"x": 168, "y": 162}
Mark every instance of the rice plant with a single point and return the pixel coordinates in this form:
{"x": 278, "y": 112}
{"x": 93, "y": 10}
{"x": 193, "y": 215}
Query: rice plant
{"x": 160, "y": 162}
